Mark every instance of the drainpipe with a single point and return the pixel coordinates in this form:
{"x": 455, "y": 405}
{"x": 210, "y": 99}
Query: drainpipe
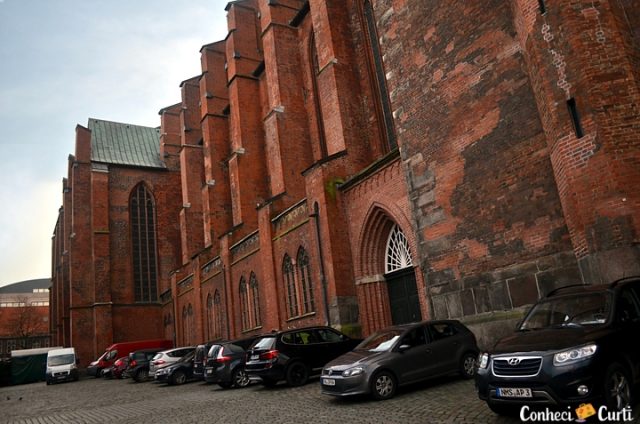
{"x": 323, "y": 278}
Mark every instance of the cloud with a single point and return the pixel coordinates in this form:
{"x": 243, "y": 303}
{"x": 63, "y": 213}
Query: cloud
{"x": 28, "y": 225}
{"x": 117, "y": 60}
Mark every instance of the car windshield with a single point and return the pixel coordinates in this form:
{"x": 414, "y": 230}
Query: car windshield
{"x": 54, "y": 361}
{"x": 569, "y": 311}
{"x": 213, "y": 352}
{"x": 200, "y": 352}
{"x": 264, "y": 343}
{"x": 380, "y": 342}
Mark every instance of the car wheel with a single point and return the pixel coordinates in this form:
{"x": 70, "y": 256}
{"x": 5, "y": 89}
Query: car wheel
{"x": 297, "y": 374}
{"x": 98, "y": 373}
{"x": 504, "y": 410}
{"x": 141, "y": 375}
{"x": 468, "y": 365}
{"x": 383, "y": 385}
{"x": 617, "y": 388}
{"x": 178, "y": 377}
{"x": 269, "y": 382}
{"x": 240, "y": 378}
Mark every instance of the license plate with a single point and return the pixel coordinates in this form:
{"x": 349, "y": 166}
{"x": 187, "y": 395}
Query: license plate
{"x": 514, "y": 393}
{"x": 255, "y": 357}
{"x": 209, "y": 371}
{"x": 328, "y": 382}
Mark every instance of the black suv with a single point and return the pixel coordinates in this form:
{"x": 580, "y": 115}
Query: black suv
{"x": 225, "y": 363}
{"x": 572, "y": 347}
{"x": 294, "y": 355}
{"x": 139, "y": 361}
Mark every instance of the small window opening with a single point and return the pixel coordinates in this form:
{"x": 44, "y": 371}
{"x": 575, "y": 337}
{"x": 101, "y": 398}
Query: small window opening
{"x": 543, "y": 7}
{"x": 575, "y": 117}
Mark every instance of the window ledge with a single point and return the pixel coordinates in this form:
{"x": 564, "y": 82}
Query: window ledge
{"x": 298, "y": 317}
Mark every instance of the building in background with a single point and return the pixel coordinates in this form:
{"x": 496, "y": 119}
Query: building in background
{"x": 24, "y": 315}
{"x": 116, "y": 239}
{"x": 364, "y": 163}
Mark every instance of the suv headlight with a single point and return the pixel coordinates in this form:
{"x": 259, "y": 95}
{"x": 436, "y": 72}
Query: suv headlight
{"x": 574, "y": 355}
{"x": 483, "y": 360}
{"x": 352, "y": 372}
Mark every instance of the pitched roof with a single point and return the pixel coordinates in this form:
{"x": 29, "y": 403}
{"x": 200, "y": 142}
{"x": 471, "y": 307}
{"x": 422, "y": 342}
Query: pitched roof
{"x": 125, "y": 144}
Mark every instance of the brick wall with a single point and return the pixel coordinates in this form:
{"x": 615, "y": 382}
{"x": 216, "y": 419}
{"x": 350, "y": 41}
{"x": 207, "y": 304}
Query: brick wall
{"x": 481, "y": 183}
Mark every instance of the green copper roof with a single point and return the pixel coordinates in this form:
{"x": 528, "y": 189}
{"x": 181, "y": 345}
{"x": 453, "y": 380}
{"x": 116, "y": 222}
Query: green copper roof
{"x": 125, "y": 144}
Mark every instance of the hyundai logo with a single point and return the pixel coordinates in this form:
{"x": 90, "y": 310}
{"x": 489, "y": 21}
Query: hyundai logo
{"x": 513, "y": 361}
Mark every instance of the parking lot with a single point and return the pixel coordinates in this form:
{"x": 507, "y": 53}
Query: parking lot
{"x": 98, "y": 400}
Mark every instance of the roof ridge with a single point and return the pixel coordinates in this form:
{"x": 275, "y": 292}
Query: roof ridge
{"x": 120, "y": 123}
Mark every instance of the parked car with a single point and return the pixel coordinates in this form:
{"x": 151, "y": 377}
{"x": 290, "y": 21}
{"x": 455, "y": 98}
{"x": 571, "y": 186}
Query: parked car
{"x": 200, "y": 358}
{"x": 118, "y": 350}
{"x": 226, "y": 361}
{"x": 62, "y": 365}
{"x": 139, "y": 362}
{"x": 178, "y": 372}
{"x": 294, "y": 355}
{"x": 401, "y": 355}
{"x": 573, "y": 347}
{"x": 167, "y": 357}
{"x": 119, "y": 367}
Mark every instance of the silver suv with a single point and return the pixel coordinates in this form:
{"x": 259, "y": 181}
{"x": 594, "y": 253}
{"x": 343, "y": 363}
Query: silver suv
{"x": 167, "y": 357}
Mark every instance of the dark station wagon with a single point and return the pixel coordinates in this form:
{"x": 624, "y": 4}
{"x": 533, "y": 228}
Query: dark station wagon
{"x": 294, "y": 355}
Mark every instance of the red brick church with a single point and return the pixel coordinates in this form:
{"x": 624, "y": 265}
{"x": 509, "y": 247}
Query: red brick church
{"x": 361, "y": 163}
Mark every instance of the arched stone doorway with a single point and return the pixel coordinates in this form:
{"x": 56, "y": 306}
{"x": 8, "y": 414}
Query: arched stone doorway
{"x": 400, "y": 275}
{"x": 387, "y": 277}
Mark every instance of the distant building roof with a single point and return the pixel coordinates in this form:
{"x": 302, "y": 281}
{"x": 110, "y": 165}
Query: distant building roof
{"x": 26, "y": 286}
{"x": 125, "y": 144}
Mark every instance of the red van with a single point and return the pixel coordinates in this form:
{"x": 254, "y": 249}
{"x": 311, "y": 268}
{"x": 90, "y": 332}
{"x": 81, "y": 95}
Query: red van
{"x": 118, "y": 350}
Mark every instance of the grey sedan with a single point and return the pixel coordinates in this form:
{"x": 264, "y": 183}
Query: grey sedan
{"x": 401, "y": 355}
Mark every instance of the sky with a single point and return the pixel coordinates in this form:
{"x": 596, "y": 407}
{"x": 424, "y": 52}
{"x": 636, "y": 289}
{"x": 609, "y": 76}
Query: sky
{"x": 64, "y": 61}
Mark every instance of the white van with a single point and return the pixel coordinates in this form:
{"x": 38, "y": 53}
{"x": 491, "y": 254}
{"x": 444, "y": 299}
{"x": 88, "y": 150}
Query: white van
{"x": 61, "y": 365}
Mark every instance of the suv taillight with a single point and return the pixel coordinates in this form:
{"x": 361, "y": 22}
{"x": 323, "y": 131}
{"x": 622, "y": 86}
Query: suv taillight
{"x": 133, "y": 363}
{"x": 272, "y": 354}
{"x": 159, "y": 362}
{"x": 221, "y": 358}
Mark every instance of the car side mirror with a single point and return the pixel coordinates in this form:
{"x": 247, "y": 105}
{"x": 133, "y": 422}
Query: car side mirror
{"x": 404, "y": 347}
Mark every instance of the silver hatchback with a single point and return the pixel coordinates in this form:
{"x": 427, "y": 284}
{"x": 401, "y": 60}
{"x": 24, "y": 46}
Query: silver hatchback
{"x": 168, "y": 357}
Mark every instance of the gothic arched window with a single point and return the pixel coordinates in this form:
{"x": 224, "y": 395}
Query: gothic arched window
{"x": 288, "y": 273}
{"x": 255, "y": 301}
{"x": 217, "y": 316}
{"x": 306, "y": 284}
{"x": 244, "y": 304}
{"x": 384, "y": 104}
{"x": 398, "y": 255}
{"x": 143, "y": 244}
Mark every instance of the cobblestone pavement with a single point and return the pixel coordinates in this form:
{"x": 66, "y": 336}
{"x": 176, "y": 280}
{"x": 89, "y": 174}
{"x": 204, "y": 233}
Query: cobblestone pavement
{"x": 123, "y": 401}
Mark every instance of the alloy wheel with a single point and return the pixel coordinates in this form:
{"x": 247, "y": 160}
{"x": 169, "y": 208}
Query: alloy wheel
{"x": 180, "y": 377}
{"x": 619, "y": 390}
{"x": 384, "y": 386}
{"x": 469, "y": 366}
{"x": 241, "y": 378}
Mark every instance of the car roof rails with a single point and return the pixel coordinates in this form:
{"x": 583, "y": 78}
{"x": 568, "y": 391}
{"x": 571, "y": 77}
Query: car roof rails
{"x": 624, "y": 280}
{"x": 554, "y": 291}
